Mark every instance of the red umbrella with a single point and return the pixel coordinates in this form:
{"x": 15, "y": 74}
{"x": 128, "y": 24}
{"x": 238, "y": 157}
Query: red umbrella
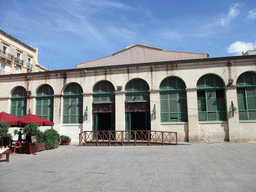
{"x": 30, "y": 118}
{"x": 10, "y": 119}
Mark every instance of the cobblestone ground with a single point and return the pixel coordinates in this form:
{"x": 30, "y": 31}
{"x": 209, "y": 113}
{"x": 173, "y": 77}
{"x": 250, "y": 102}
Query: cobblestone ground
{"x": 196, "y": 167}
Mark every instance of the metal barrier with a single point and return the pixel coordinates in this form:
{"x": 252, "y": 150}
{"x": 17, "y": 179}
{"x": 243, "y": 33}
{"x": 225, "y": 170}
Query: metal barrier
{"x": 127, "y": 138}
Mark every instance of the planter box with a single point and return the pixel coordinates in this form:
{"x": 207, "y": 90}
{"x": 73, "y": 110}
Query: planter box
{"x": 65, "y": 143}
{"x": 41, "y": 147}
{"x": 29, "y": 148}
{"x": 57, "y": 144}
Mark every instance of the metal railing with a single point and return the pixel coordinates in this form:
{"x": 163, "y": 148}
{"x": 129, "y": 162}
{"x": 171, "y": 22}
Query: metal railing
{"x": 127, "y": 137}
{"x": 6, "y": 55}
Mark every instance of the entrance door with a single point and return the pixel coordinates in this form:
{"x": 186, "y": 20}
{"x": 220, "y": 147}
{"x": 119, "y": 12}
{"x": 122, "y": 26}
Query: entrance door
{"x": 138, "y": 121}
{"x": 104, "y": 122}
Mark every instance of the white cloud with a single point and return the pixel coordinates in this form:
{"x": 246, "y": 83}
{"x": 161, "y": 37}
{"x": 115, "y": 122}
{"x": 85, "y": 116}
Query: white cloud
{"x": 252, "y": 14}
{"x": 238, "y": 47}
{"x": 172, "y": 35}
{"x": 233, "y": 12}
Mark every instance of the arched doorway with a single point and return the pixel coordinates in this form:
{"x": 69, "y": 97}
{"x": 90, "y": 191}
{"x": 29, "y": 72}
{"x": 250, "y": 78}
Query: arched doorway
{"x": 103, "y": 107}
{"x": 137, "y": 106}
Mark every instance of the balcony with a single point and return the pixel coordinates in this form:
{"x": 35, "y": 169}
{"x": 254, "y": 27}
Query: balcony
{"x": 19, "y": 61}
{"x": 29, "y": 65}
{"x": 6, "y": 56}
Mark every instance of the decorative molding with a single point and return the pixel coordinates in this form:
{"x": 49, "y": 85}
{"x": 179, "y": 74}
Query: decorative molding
{"x": 154, "y": 91}
{"x": 103, "y": 107}
{"x": 137, "y": 107}
{"x": 191, "y": 89}
{"x": 57, "y": 95}
{"x": 87, "y": 94}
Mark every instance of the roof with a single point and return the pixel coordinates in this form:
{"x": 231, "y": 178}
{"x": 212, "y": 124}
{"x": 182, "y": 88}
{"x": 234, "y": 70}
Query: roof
{"x": 17, "y": 41}
{"x": 141, "y": 53}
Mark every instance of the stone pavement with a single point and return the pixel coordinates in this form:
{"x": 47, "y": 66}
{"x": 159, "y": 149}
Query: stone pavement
{"x": 196, "y": 167}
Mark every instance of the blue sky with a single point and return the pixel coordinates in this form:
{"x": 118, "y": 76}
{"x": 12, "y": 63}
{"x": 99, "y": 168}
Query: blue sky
{"x": 69, "y": 32}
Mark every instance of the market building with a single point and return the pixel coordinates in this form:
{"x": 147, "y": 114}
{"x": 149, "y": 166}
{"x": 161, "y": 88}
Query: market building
{"x": 202, "y": 99}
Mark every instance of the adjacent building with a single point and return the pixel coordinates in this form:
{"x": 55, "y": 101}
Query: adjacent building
{"x": 17, "y": 57}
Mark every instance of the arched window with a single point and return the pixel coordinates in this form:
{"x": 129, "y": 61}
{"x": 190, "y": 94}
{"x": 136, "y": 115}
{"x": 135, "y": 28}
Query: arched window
{"x": 137, "y": 90}
{"x": 211, "y": 99}
{"x": 246, "y": 95}
{"x": 173, "y": 100}
{"x": 19, "y": 102}
{"x": 103, "y": 92}
{"x": 44, "y": 102}
{"x": 73, "y": 104}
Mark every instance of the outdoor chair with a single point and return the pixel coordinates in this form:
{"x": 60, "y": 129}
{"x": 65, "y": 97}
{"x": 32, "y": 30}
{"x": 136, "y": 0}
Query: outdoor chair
{"x": 17, "y": 146}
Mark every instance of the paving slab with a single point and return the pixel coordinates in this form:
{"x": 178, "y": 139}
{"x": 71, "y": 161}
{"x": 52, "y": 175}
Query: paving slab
{"x": 195, "y": 167}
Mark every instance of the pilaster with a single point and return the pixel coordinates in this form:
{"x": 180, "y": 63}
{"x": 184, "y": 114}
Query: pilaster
{"x": 120, "y": 110}
{"x": 232, "y": 114}
{"x": 193, "y": 127}
{"x": 155, "y": 109}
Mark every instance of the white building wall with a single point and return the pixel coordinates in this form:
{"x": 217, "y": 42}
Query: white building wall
{"x": 231, "y": 130}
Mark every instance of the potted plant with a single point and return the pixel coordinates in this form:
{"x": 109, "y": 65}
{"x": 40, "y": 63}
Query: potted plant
{"x": 30, "y": 130}
{"x": 51, "y": 137}
{"x": 40, "y": 146}
{"x": 65, "y": 140}
{"x": 5, "y": 137}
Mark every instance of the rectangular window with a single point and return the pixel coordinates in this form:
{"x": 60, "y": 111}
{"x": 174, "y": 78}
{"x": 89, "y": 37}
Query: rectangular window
{"x": 246, "y": 103}
{"x": 17, "y": 70}
{"x": 173, "y": 106}
{"x": 18, "y": 58}
{"x": 72, "y": 111}
{"x": 4, "y": 50}
{"x": 211, "y": 105}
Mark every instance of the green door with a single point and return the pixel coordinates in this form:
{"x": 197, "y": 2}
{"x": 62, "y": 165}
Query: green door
{"x": 128, "y": 125}
{"x": 95, "y": 124}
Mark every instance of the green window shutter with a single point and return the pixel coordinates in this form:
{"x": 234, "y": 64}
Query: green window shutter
{"x": 173, "y": 100}
{"x": 211, "y": 99}
{"x": 44, "y": 102}
{"x": 73, "y": 104}
{"x": 137, "y": 90}
{"x": 246, "y": 96}
{"x": 19, "y": 102}
{"x": 103, "y": 92}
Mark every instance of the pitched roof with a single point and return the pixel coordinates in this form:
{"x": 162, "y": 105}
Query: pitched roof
{"x": 140, "y": 53}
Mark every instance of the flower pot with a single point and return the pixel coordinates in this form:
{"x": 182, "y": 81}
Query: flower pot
{"x": 65, "y": 143}
{"x": 57, "y": 144}
{"x": 41, "y": 147}
{"x": 1, "y": 155}
{"x": 29, "y": 148}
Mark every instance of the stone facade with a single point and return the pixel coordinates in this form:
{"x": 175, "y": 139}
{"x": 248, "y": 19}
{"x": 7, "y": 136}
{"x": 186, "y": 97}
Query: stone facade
{"x": 228, "y": 69}
{"x": 17, "y": 57}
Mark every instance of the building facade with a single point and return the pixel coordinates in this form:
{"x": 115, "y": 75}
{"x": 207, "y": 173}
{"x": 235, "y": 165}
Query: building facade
{"x": 203, "y": 100}
{"x": 17, "y": 57}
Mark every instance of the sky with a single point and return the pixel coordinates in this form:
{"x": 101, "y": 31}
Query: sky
{"x": 70, "y": 32}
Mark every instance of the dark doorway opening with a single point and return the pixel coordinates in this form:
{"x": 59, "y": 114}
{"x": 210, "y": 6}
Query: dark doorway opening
{"x": 104, "y": 122}
{"x": 138, "y": 121}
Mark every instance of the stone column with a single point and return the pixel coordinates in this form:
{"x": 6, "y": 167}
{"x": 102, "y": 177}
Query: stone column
{"x": 120, "y": 110}
{"x": 87, "y": 112}
{"x": 232, "y": 115}
{"x": 193, "y": 127}
{"x": 155, "y": 110}
{"x": 31, "y": 105}
{"x": 57, "y": 111}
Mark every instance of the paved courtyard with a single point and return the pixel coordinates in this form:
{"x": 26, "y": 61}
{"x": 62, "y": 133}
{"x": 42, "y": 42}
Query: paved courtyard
{"x": 196, "y": 167}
